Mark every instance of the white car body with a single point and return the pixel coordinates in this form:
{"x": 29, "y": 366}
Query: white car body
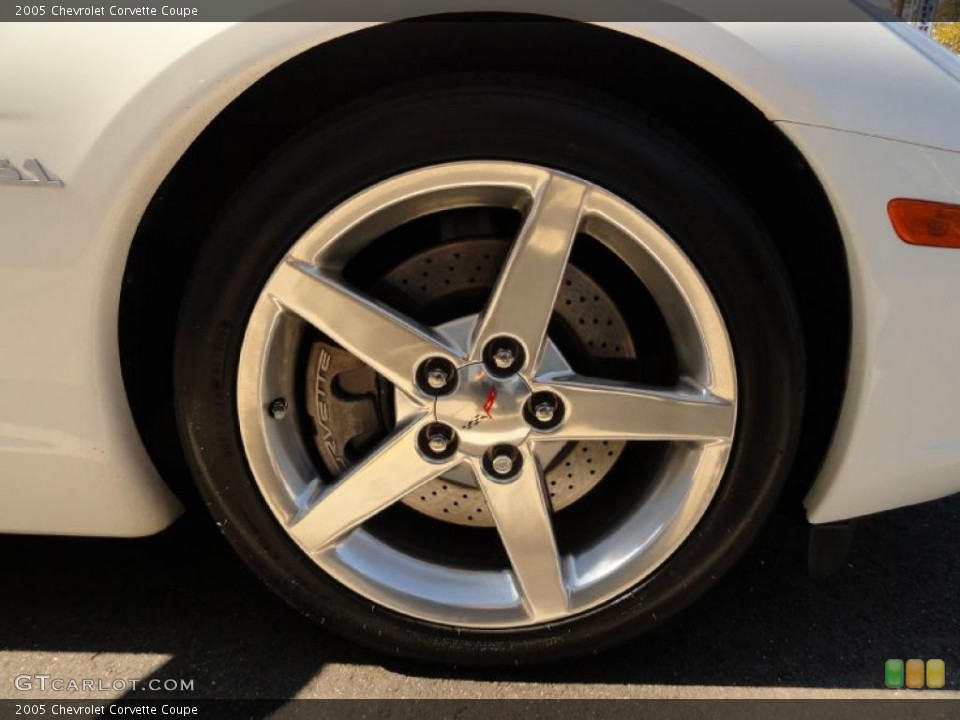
{"x": 71, "y": 459}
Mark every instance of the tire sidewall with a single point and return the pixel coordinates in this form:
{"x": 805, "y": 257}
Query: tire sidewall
{"x": 591, "y": 138}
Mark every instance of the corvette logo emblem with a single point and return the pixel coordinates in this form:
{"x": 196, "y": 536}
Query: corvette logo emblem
{"x": 485, "y": 415}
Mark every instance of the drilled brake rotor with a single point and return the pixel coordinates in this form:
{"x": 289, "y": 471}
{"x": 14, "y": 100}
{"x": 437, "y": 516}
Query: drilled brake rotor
{"x": 347, "y": 406}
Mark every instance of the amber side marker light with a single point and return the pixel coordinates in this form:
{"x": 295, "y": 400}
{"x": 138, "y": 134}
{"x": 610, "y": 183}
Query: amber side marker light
{"x": 921, "y": 222}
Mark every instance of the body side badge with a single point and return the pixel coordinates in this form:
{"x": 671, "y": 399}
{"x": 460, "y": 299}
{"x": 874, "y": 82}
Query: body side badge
{"x": 10, "y": 174}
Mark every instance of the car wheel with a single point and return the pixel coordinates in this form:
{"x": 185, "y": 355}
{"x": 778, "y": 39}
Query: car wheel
{"x": 489, "y": 374}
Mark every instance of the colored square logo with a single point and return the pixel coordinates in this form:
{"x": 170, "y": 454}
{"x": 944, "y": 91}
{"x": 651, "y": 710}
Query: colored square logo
{"x": 915, "y": 674}
{"x": 893, "y": 674}
{"x": 936, "y": 674}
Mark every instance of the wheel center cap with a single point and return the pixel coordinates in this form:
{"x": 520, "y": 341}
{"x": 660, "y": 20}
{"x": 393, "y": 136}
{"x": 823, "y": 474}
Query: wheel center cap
{"x": 485, "y": 410}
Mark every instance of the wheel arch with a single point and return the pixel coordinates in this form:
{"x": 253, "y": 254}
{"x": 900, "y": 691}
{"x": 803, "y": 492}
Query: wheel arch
{"x": 721, "y": 121}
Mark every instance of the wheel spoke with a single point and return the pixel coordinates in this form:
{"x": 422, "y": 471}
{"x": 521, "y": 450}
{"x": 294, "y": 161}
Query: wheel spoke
{"x": 389, "y": 342}
{"x": 521, "y": 512}
{"x": 608, "y": 410}
{"x": 522, "y": 300}
{"x": 394, "y": 469}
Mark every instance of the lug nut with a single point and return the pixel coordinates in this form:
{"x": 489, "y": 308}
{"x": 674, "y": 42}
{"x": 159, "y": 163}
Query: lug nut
{"x": 502, "y": 462}
{"x": 543, "y": 411}
{"x": 503, "y": 356}
{"x": 438, "y": 441}
{"x": 278, "y": 409}
{"x": 436, "y": 377}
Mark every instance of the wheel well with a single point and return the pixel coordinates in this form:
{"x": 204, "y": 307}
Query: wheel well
{"x": 768, "y": 169}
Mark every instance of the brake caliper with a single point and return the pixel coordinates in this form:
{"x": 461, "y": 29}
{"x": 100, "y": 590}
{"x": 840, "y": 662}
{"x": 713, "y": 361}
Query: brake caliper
{"x": 344, "y": 402}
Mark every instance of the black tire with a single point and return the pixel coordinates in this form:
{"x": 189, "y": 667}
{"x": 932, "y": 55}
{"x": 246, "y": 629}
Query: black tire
{"x": 592, "y": 138}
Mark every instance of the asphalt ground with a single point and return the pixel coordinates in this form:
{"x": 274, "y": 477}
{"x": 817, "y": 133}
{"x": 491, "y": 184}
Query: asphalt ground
{"x": 180, "y": 606}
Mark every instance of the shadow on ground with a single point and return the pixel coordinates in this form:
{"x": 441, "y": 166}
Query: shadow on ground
{"x": 184, "y": 594}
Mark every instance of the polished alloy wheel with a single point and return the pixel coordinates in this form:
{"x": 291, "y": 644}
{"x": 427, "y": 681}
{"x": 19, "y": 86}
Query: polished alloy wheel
{"x": 486, "y": 406}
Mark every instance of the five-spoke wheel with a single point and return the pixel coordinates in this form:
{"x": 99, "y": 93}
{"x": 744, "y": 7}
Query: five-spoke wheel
{"x": 488, "y": 400}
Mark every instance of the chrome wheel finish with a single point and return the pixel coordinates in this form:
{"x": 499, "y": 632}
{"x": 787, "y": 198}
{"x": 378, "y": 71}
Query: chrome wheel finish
{"x": 486, "y": 408}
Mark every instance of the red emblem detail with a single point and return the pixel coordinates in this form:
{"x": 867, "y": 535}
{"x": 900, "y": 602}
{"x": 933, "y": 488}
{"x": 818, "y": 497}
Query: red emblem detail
{"x": 491, "y": 399}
